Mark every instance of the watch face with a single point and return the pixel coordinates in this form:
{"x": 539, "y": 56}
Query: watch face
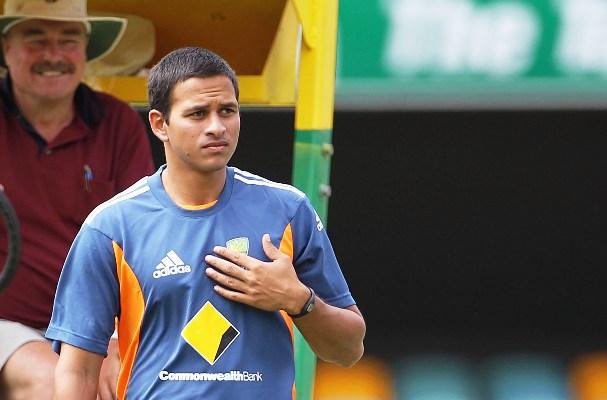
{"x": 312, "y": 301}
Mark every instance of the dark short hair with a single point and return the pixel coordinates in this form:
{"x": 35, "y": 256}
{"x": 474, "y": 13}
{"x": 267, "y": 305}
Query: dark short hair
{"x": 180, "y": 65}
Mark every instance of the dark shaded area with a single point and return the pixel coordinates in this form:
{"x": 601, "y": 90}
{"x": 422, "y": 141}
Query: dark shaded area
{"x": 477, "y": 231}
{"x": 474, "y": 232}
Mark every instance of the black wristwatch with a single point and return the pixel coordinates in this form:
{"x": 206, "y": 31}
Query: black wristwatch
{"x": 308, "y": 307}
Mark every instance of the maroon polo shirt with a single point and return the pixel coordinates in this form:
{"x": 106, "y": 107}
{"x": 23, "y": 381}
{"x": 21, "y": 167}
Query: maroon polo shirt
{"x": 53, "y": 186}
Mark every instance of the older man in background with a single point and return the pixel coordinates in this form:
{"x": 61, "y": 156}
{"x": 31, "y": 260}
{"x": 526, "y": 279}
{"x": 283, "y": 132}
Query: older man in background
{"x": 64, "y": 149}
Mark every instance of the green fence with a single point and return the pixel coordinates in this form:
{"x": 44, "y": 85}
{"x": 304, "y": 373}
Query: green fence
{"x": 434, "y": 53}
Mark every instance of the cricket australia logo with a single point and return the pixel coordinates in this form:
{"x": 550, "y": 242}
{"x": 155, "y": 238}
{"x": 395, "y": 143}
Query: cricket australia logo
{"x": 239, "y": 244}
{"x": 172, "y": 264}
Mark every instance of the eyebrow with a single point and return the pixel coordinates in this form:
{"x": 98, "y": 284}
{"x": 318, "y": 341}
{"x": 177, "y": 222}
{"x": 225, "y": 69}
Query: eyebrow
{"x": 195, "y": 108}
{"x": 206, "y": 105}
{"x": 230, "y": 104}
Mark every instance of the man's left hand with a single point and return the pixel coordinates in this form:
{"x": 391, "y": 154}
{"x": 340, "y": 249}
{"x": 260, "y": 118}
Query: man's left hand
{"x": 269, "y": 286}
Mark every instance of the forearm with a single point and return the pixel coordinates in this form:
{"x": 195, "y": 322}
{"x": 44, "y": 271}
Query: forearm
{"x": 110, "y": 368}
{"x": 74, "y": 385}
{"x": 76, "y": 374}
{"x": 335, "y": 334}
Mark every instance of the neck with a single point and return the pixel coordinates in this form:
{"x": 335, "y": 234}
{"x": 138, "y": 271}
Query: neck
{"x": 48, "y": 117}
{"x": 192, "y": 187}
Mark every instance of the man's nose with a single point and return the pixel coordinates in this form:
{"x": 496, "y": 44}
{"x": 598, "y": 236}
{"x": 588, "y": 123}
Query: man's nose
{"x": 216, "y": 126}
{"x": 52, "y": 49}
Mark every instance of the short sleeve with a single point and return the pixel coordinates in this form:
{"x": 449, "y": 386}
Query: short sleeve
{"x": 87, "y": 298}
{"x": 314, "y": 260}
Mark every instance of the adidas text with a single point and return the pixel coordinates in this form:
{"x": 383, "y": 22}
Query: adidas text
{"x": 166, "y": 271}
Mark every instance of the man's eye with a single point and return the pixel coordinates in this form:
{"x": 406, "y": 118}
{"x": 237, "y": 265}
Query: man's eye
{"x": 228, "y": 111}
{"x": 68, "y": 44}
{"x": 37, "y": 44}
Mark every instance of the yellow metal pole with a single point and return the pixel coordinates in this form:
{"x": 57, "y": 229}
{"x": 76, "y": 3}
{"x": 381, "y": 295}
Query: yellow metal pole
{"x": 313, "y": 133}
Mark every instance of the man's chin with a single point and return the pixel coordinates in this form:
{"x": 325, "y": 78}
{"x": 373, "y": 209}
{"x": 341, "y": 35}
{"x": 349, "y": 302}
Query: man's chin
{"x": 54, "y": 95}
{"x": 55, "y": 87}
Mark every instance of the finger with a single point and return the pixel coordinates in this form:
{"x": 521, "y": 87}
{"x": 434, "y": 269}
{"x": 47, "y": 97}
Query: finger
{"x": 271, "y": 251}
{"x": 232, "y": 295}
{"x": 105, "y": 394}
{"x": 225, "y": 280}
{"x": 225, "y": 266}
{"x": 241, "y": 260}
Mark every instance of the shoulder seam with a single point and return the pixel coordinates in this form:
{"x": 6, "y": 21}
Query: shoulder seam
{"x": 251, "y": 179}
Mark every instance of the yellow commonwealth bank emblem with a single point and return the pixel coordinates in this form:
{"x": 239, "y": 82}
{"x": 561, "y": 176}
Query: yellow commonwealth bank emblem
{"x": 209, "y": 333}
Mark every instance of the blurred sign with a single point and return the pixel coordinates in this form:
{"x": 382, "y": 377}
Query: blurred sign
{"x": 435, "y": 53}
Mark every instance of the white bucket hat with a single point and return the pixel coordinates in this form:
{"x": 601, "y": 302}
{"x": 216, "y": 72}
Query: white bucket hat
{"x": 104, "y": 32}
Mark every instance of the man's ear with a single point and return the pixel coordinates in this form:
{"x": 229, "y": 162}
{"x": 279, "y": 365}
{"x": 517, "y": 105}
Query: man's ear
{"x": 158, "y": 125}
{"x": 5, "y": 46}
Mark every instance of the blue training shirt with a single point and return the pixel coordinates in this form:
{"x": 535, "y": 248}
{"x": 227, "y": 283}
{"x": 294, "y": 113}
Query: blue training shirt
{"x": 138, "y": 263}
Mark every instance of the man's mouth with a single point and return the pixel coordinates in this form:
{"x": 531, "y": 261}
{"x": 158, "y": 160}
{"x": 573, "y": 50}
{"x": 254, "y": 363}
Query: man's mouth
{"x": 215, "y": 145}
{"x": 53, "y": 69}
{"x": 51, "y": 73}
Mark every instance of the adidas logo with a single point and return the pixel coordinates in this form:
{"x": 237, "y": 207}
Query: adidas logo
{"x": 171, "y": 265}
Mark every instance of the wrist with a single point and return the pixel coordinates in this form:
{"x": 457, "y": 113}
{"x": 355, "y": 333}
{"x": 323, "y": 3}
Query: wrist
{"x": 307, "y": 306}
{"x": 300, "y": 295}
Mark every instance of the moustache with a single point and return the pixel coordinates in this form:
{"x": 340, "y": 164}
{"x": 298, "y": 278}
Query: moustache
{"x": 60, "y": 67}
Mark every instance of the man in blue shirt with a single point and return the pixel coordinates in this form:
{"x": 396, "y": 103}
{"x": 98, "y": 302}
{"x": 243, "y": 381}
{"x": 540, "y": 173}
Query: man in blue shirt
{"x": 206, "y": 267}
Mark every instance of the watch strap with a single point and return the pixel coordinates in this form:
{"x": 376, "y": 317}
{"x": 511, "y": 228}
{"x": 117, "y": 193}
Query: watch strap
{"x": 307, "y": 307}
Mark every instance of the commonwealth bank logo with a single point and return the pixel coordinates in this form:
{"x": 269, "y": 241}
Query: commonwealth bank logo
{"x": 209, "y": 333}
{"x": 239, "y": 244}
